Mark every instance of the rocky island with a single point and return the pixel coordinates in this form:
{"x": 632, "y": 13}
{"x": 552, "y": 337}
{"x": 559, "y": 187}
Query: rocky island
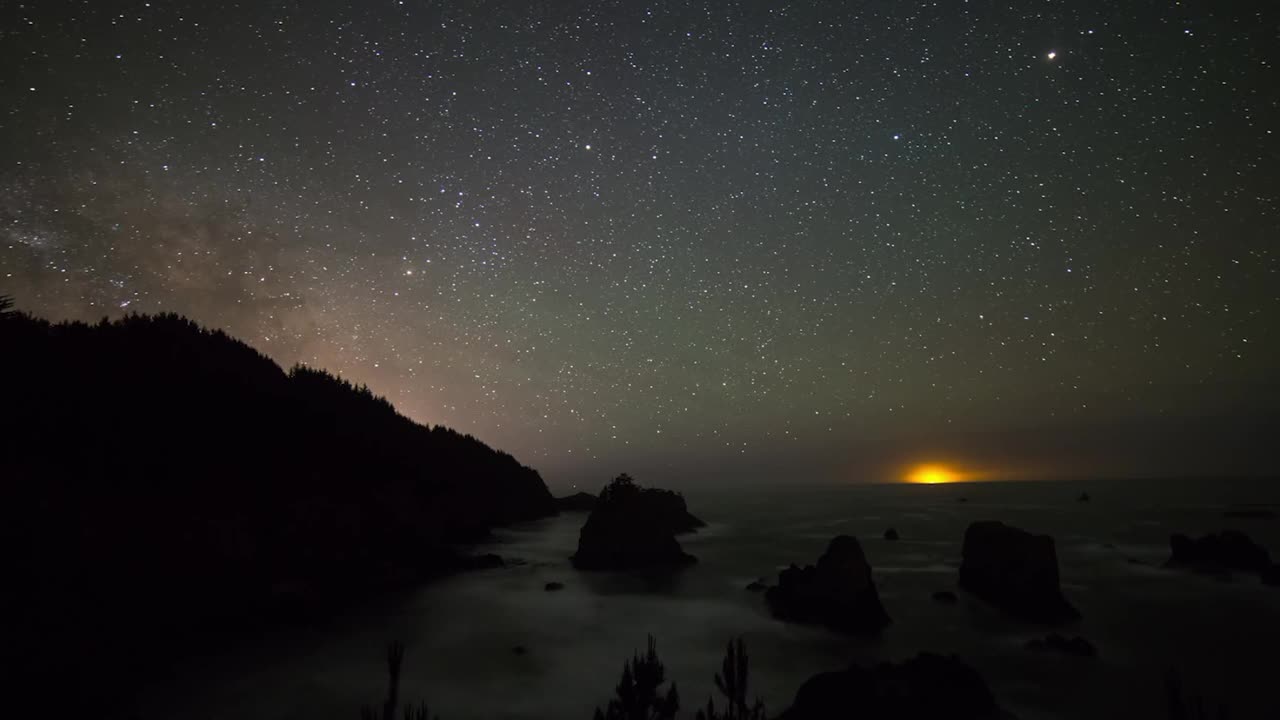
{"x": 1221, "y": 553}
{"x": 577, "y": 502}
{"x": 634, "y": 527}
{"x": 838, "y": 592}
{"x": 1015, "y": 571}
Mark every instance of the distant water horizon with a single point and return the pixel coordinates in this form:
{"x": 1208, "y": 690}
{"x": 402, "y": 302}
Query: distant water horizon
{"x": 727, "y": 483}
{"x": 1220, "y": 635}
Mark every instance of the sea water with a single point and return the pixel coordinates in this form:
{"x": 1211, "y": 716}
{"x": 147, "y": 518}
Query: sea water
{"x": 495, "y": 644}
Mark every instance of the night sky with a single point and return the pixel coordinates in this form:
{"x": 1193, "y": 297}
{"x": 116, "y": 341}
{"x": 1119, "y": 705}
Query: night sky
{"x": 697, "y": 242}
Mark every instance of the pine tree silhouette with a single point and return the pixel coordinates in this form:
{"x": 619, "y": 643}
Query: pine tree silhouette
{"x": 1192, "y": 706}
{"x": 638, "y": 692}
{"x": 732, "y": 681}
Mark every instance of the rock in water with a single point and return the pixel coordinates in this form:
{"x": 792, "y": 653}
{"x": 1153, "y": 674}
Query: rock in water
{"x": 946, "y": 597}
{"x": 838, "y": 592}
{"x": 1076, "y": 646}
{"x": 553, "y": 586}
{"x": 633, "y": 527}
{"x": 926, "y": 687}
{"x": 481, "y": 562}
{"x": 577, "y": 502}
{"x": 891, "y": 534}
{"x": 1015, "y": 571}
{"x": 1224, "y": 551}
{"x": 1084, "y": 497}
{"x": 758, "y": 585}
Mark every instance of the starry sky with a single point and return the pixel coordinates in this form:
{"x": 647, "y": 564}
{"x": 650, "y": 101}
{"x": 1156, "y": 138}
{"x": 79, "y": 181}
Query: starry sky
{"x": 696, "y": 241}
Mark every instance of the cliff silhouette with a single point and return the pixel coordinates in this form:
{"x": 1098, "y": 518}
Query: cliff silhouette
{"x": 159, "y": 479}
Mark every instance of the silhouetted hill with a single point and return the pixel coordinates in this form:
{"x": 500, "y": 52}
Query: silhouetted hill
{"x": 159, "y": 477}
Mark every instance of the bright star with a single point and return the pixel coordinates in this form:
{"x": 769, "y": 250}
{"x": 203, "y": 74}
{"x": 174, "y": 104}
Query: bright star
{"x": 1052, "y": 55}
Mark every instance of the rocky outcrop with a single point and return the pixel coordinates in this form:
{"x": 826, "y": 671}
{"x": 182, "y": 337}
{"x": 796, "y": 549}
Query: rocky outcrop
{"x": 486, "y": 561}
{"x": 926, "y": 687}
{"x": 1084, "y": 497}
{"x": 553, "y": 586}
{"x": 1219, "y": 552}
{"x": 838, "y": 592}
{"x": 1053, "y": 642}
{"x": 758, "y": 585}
{"x": 891, "y": 534}
{"x": 634, "y": 527}
{"x": 1015, "y": 571}
{"x": 577, "y": 502}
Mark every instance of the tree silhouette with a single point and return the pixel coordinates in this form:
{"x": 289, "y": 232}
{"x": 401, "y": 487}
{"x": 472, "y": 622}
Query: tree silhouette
{"x": 395, "y": 660}
{"x": 732, "y": 681}
{"x": 638, "y": 692}
{"x": 160, "y": 478}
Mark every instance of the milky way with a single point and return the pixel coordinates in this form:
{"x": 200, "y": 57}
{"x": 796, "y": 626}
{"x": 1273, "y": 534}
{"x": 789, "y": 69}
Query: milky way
{"x": 800, "y": 240}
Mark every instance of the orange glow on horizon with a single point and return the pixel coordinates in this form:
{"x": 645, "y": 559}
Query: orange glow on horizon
{"x": 933, "y": 474}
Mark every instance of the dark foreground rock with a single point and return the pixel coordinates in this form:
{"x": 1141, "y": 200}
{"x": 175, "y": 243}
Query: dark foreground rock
{"x": 1053, "y": 642}
{"x": 1219, "y": 552}
{"x": 577, "y": 502}
{"x": 946, "y": 597}
{"x": 1271, "y": 576}
{"x": 633, "y": 527}
{"x": 891, "y": 534}
{"x": 1015, "y": 571}
{"x": 1084, "y": 497}
{"x": 553, "y": 586}
{"x": 838, "y": 592}
{"x": 926, "y": 687}
{"x": 758, "y": 585}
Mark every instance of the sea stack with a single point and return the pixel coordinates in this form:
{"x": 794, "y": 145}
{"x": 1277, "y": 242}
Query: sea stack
{"x": 838, "y": 592}
{"x": 1015, "y": 571}
{"x": 1219, "y": 552}
{"x": 634, "y": 527}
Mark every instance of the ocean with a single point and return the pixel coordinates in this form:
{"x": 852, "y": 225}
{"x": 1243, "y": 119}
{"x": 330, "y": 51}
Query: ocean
{"x": 461, "y": 634}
